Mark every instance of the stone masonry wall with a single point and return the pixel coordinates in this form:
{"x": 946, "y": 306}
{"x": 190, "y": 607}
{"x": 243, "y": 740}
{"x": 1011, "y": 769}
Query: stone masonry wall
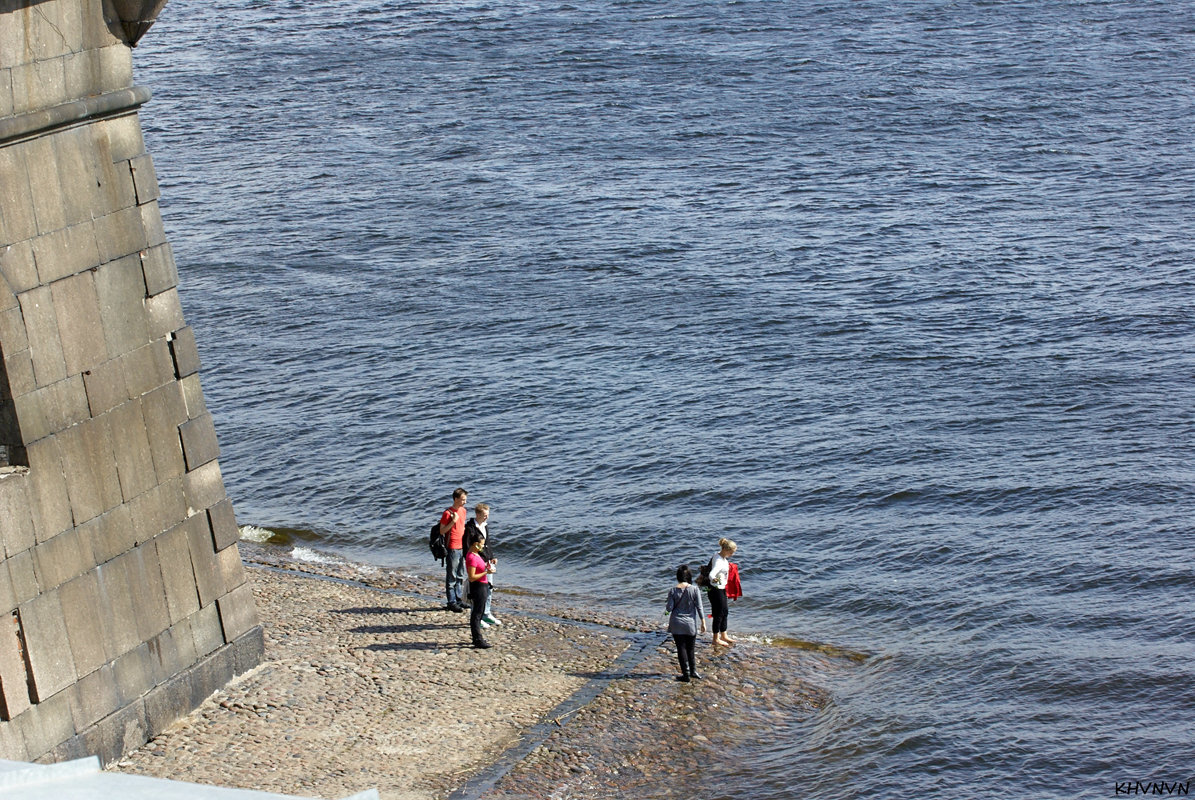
{"x": 122, "y": 598}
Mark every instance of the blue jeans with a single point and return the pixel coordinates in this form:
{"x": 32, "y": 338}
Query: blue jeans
{"x": 454, "y": 577}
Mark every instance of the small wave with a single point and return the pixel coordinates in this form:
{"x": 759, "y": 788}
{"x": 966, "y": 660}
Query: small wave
{"x": 313, "y": 556}
{"x": 252, "y": 533}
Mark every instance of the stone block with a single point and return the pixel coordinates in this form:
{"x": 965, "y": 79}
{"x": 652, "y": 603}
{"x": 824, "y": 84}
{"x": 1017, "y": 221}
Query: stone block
{"x": 105, "y": 387}
{"x": 16, "y": 201}
{"x": 71, "y": 399}
{"x": 16, "y": 521}
{"x": 22, "y": 577}
{"x": 116, "y": 605}
{"x": 5, "y": 111}
{"x": 89, "y": 464}
{"x": 136, "y": 673}
{"x": 19, "y": 367}
{"x": 174, "y": 648}
{"x": 13, "y": 339}
{"x": 8, "y": 597}
{"x": 115, "y": 190}
{"x": 95, "y": 697}
{"x": 207, "y": 630}
{"x": 66, "y": 251}
{"x": 81, "y": 73}
{"x": 164, "y": 410}
{"x": 250, "y": 649}
{"x": 166, "y": 703}
{"x": 117, "y": 734}
{"x": 199, "y": 441}
{"x": 238, "y": 612}
{"x": 204, "y": 487}
{"x": 158, "y": 269}
{"x": 55, "y": 31}
{"x": 110, "y": 534}
{"x": 71, "y": 147}
{"x": 147, "y": 515}
{"x": 12, "y": 742}
{"x": 203, "y": 560}
{"x": 230, "y": 567}
{"x": 116, "y": 70}
{"x": 47, "y": 648}
{"x": 37, "y": 85}
{"x": 61, "y": 559}
{"x": 38, "y": 414}
{"x": 144, "y": 178}
{"x": 178, "y": 577}
{"x": 19, "y": 267}
{"x": 149, "y": 600}
{"x": 50, "y": 500}
{"x": 165, "y": 314}
{"x": 223, "y": 522}
{"x": 14, "y": 681}
{"x": 41, "y": 327}
{"x": 147, "y": 368}
{"x": 124, "y": 134}
{"x": 130, "y": 444}
{"x": 120, "y": 234}
{"x": 185, "y": 352}
{"x": 151, "y": 221}
{"x": 47, "y": 724}
{"x": 79, "y": 327}
{"x": 86, "y": 629}
{"x": 193, "y": 396}
{"x": 120, "y": 286}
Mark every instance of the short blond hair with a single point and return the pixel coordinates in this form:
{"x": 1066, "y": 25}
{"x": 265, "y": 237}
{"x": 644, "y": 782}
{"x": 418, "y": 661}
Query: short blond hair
{"x": 481, "y": 507}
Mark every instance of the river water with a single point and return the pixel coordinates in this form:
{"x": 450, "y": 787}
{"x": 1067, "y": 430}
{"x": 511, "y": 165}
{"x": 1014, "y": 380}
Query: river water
{"x": 896, "y": 295}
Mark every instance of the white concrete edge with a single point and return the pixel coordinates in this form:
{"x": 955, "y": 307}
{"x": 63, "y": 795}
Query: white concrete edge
{"x": 15, "y": 774}
{"x": 368, "y": 794}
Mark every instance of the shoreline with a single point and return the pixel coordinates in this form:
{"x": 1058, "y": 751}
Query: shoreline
{"x": 368, "y": 682}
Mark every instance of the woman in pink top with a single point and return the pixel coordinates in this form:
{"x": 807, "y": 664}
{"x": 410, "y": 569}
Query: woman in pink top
{"x": 479, "y": 584}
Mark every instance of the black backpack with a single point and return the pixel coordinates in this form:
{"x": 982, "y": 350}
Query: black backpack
{"x": 435, "y": 541}
{"x": 703, "y": 575}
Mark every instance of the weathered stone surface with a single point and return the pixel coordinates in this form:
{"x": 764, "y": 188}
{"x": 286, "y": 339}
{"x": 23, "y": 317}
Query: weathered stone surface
{"x": 136, "y": 673}
{"x": 105, "y": 387}
{"x": 12, "y": 743}
{"x": 110, "y": 534}
{"x": 12, "y": 329}
{"x": 238, "y": 614}
{"x": 86, "y": 630}
{"x": 47, "y": 646}
{"x": 159, "y": 269}
{"x": 120, "y": 234}
{"x": 174, "y": 554}
{"x": 47, "y": 724}
{"x": 222, "y": 520}
{"x": 16, "y": 523}
{"x": 63, "y": 558}
{"x": 199, "y": 441}
{"x": 185, "y": 353}
{"x": 16, "y": 201}
{"x": 79, "y": 326}
{"x": 193, "y": 396}
{"x": 144, "y": 178}
{"x": 120, "y": 286}
{"x": 145, "y": 573}
{"x": 14, "y": 685}
{"x": 203, "y": 560}
{"x": 134, "y": 461}
{"x": 71, "y": 151}
{"x": 32, "y": 85}
{"x": 163, "y": 411}
{"x": 116, "y": 734}
{"x": 95, "y": 696}
{"x": 232, "y": 572}
{"x": 116, "y": 603}
{"x": 63, "y": 252}
{"x": 207, "y": 630}
{"x": 124, "y": 134}
{"x": 90, "y": 468}
{"x": 22, "y": 577}
{"x": 165, "y": 314}
{"x": 47, "y": 489}
{"x": 151, "y": 222}
{"x": 17, "y": 264}
{"x": 41, "y": 326}
{"x": 204, "y": 487}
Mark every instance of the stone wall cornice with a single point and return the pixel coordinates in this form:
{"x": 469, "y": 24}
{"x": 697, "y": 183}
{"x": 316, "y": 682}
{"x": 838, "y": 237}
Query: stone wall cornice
{"x": 36, "y": 123}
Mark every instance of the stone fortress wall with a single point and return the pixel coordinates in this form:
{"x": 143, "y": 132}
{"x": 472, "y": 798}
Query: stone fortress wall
{"x": 123, "y": 603}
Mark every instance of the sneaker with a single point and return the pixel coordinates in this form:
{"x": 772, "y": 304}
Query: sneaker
{"x": 484, "y": 624}
{"x": 491, "y": 620}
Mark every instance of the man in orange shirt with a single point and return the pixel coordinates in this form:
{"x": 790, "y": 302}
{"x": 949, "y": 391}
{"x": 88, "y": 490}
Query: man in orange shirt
{"x": 452, "y": 528}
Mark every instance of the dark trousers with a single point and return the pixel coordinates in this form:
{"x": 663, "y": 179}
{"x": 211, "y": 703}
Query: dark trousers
{"x": 719, "y": 608}
{"x": 478, "y": 592}
{"x": 686, "y": 652}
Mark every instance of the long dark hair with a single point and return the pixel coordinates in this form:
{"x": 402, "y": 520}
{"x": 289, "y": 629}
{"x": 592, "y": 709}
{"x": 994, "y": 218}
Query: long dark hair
{"x": 684, "y": 574}
{"x": 474, "y": 536}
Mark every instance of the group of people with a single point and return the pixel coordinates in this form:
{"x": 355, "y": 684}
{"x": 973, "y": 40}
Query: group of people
{"x": 469, "y": 557}
{"x": 470, "y": 560}
{"x": 686, "y": 611}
